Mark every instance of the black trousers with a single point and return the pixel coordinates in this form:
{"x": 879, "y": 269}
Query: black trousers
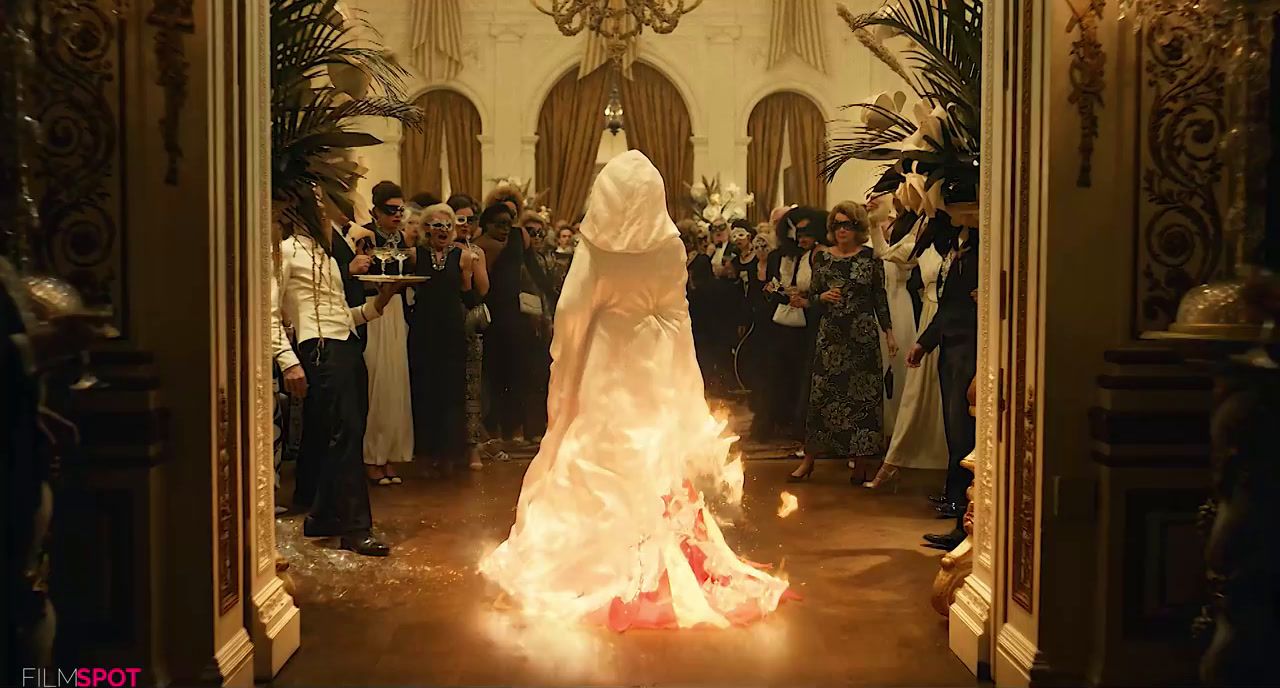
{"x": 506, "y": 367}
{"x": 330, "y": 467}
{"x": 957, "y": 363}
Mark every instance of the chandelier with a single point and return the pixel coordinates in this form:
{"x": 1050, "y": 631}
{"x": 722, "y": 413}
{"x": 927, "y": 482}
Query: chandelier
{"x": 613, "y": 109}
{"x": 616, "y": 20}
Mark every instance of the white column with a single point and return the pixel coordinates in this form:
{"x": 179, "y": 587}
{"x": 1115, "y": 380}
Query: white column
{"x": 507, "y": 132}
{"x": 275, "y": 624}
{"x": 719, "y": 102}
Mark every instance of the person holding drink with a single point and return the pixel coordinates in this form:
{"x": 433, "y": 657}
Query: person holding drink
{"x": 846, "y": 394}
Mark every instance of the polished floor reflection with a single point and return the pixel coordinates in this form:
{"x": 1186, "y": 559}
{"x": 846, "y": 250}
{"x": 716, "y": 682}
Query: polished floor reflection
{"x": 423, "y": 617}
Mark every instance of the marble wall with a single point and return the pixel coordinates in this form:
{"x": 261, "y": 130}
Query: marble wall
{"x": 717, "y": 57}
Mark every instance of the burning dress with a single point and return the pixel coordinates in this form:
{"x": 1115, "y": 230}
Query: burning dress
{"x": 611, "y": 524}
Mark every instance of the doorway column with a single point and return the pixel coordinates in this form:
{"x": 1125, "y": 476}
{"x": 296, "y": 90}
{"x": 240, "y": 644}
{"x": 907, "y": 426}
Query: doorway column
{"x": 275, "y": 624}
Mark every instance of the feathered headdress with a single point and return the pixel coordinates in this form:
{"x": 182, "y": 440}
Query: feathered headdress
{"x": 712, "y": 202}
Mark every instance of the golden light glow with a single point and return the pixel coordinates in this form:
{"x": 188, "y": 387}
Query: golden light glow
{"x": 789, "y": 505}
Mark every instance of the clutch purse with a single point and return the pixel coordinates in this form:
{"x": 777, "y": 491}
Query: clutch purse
{"x": 789, "y": 316}
{"x": 888, "y": 382}
{"x": 530, "y": 304}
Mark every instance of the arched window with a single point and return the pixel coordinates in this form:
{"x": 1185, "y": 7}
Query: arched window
{"x": 444, "y": 156}
{"x": 788, "y": 135}
{"x": 571, "y": 134}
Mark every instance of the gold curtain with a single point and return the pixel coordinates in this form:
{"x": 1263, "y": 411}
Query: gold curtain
{"x": 420, "y": 149}
{"x": 806, "y": 130}
{"x": 657, "y": 124}
{"x": 449, "y": 117}
{"x": 436, "y": 38}
{"x": 808, "y": 133}
{"x": 569, "y": 127}
{"x": 764, "y": 154}
{"x": 462, "y": 136}
{"x": 797, "y": 28}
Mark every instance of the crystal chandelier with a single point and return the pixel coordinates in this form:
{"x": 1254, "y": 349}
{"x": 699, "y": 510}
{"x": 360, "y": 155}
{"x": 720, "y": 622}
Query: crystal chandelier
{"x": 616, "y": 20}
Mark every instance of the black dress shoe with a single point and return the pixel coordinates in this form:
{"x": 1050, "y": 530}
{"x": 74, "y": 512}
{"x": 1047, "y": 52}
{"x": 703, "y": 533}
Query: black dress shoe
{"x": 947, "y": 541}
{"x": 938, "y": 499}
{"x": 315, "y": 529}
{"x": 366, "y": 545}
{"x": 951, "y": 510}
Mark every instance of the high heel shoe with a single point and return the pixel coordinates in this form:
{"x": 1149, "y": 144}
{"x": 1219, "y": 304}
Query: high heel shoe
{"x": 886, "y": 476}
{"x": 795, "y": 478}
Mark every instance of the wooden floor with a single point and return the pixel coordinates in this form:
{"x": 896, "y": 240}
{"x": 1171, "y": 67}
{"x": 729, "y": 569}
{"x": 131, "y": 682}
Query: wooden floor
{"x": 423, "y": 617}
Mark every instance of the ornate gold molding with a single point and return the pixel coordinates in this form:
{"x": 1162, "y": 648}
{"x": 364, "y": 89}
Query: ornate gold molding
{"x": 1024, "y": 460}
{"x": 1088, "y": 63}
{"x": 227, "y": 484}
{"x": 173, "y": 19}
{"x": 958, "y": 563}
{"x": 78, "y": 170}
{"x": 1179, "y": 237}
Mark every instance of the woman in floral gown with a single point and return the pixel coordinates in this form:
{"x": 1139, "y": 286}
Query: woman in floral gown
{"x": 846, "y": 396}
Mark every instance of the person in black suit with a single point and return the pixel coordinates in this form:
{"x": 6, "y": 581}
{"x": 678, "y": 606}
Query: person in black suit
{"x": 955, "y": 330}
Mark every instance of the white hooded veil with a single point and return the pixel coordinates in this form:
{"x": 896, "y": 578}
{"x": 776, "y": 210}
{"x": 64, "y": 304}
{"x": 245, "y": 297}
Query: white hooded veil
{"x": 628, "y": 429}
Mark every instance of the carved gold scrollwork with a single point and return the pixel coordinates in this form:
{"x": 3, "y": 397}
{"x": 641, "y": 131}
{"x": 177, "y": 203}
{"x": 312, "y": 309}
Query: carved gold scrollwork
{"x": 77, "y": 168}
{"x": 227, "y": 484}
{"x": 1180, "y": 239}
{"x": 173, "y": 19}
{"x": 1088, "y": 63}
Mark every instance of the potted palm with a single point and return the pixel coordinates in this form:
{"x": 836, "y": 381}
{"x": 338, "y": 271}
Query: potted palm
{"x": 931, "y": 154}
{"x": 324, "y": 80}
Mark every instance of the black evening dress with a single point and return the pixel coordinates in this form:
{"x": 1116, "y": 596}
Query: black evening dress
{"x": 437, "y": 359}
{"x": 846, "y": 395}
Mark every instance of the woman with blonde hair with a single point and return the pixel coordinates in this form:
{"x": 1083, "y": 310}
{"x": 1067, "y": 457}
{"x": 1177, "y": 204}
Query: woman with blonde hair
{"x": 845, "y": 416}
{"x": 437, "y": 342}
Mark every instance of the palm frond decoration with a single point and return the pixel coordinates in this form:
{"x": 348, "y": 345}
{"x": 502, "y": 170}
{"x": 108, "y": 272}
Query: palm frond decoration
{"x": 322, "y": 81}
{"x": 931, "y": 157}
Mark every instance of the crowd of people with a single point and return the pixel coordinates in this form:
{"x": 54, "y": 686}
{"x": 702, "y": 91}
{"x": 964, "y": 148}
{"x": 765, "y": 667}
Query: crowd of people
{"x": 799, "y": 314}
{"x": 805, "y": 314}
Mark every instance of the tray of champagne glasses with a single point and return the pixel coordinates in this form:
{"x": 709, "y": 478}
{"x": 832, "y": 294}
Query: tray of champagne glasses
{"x": 388, "y": 265}
{"x": 392, "y": 279}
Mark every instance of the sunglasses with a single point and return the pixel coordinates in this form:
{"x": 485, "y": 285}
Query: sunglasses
{"x": 466, "y": 220}
{"x": 847, "y": 225}
{"x": 536, "y": 230}
{"x": 391, "y": 209}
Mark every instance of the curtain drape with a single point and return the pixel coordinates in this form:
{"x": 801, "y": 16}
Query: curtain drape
{"x": 808, "y": 132}
{"x": 764, "y": 154}
{"x": 799, "y": 119}
{"x": 448, "y": 117}
{"x": 569, "y": 127}
{"x": 435, "y": 38}
{"x": 797, "y": 29}
{"x": 658, "y": 125}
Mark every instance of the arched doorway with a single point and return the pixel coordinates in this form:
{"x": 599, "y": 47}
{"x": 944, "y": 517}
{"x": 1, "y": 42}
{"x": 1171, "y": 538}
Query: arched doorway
{"x": 788, "y": 135}
{"x": 571, "y": 124}
{"x": 444, "y": 156}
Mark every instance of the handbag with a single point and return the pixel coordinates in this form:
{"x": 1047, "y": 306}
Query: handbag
{"x": 888, "y": 382}
{"x": 530, "y": 304}
{"x": 786, "y": 314}
{"x": 789, "y": 316}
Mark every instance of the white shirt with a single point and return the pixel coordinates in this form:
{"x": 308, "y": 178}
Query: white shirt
{"x": 787, "y": 270}
{"x": 309, "y": 294}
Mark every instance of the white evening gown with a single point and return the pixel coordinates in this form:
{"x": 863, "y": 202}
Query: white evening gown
{"x": 903, "y": 316}
{"x": 919, "y": 440}
{"x": 389, "y": 434}
{"x": 611, "y": 526}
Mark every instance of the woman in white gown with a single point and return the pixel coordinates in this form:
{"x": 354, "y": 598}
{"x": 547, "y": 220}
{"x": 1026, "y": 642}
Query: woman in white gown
{"x": 611, "y": 526}
{"x": 388, "y": 437}
{"x": 919, "y": 440}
